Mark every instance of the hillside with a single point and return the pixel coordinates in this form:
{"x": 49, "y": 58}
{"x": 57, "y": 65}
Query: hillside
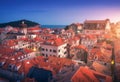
{"x": 18, "y": 23}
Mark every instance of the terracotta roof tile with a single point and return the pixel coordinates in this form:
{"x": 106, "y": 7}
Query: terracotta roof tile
{"x": 88, "y": 75}
{"x": 81, "y": 47}
{"x": 95, "y": 21}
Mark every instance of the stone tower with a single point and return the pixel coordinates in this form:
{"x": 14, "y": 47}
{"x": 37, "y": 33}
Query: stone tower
{"x": 23, "y": 28}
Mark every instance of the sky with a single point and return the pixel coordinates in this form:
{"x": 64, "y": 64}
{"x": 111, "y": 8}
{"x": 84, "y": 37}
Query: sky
{"x": 59, "y": 12}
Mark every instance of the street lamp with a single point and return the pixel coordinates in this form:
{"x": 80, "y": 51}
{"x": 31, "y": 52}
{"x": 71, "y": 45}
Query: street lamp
{"x": 34, "y": 49}
{"x": 112, "y": 62}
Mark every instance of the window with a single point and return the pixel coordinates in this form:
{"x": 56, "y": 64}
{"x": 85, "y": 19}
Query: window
{"x": 65, "y": 47}
{"x": 58, "y": 50}
{"x": 54, "y": 51}
{"x": 50, "y": 50}
{"x": 105, "y": 63}
{"x": 43, "y": 49}
{"x": 46, "y": 49}
{"x": 43, "y": 54}
{"x": 59, "y": 56}
{"x": 10, "y": 67}
{"x": 65, "y": 52}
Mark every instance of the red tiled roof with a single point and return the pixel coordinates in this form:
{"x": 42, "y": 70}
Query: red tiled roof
{"x": 95, "y": 21}
{"x": 53, "y": 63}
{"x": 87, "y": 75}
{"x": 27, "y": 50}
{"x": 75, "y": 38}
{"x": 23, "y": 39}
{"x": 2, "y": 60}
{"x": 107, "y": 36}
{"x": 58, "y": 41}
{"x": 5, "y": 50}
{"x": 26, "y": 65}
{"x": 81, "y": 47}
{"x": 91, "y": 36}
{"x": 34, "y": 28}
{"x": 84, "y": 74}
{"x": 94, "y": 50}
{"x": 54, "y": 42}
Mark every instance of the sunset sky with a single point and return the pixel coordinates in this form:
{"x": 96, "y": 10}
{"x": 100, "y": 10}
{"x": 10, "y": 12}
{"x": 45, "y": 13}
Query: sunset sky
{"x": 59, "y": 12}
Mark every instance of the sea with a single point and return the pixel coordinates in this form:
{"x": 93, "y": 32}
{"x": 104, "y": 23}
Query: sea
{"x": 54, "y": 26}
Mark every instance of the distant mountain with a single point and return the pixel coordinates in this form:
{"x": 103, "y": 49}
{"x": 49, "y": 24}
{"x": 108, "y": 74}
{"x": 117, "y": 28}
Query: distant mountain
{"x": 18, "y": 23}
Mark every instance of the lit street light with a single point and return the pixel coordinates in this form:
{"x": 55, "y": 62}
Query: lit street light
{"x": 112, "y": 62}
{"x": 34, "y": 49}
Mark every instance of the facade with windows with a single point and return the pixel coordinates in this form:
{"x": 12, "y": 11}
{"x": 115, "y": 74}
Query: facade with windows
{"x": 51, "y": 49}
{"x": 89, "y": 41}
{"x": 96, "y": 26}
